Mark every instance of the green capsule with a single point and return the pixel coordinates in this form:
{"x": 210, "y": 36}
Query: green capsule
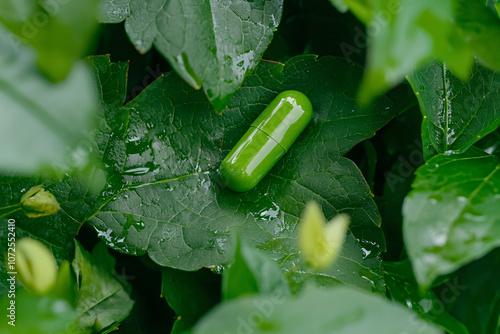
{"x": 270, "y": 136}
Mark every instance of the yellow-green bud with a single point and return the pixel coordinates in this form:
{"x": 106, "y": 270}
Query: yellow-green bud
{"x": 35, "y": 265}
{"x": 321, "y": 242}
{"x": 38, "y": 202}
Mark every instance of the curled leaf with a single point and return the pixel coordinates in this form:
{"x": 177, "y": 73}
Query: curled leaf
{"x": 321, "y": 242}
{"x": 38, "y": 202}
{"x": 36, "y": 266}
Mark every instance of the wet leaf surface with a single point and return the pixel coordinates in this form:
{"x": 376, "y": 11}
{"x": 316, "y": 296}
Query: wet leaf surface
{"x": 164, "y": 196}
{"x": 451, "y": 215}
{"x": 340, "y": 310}
{"x": 456, "y": 114}
{"x": 211, "y": 44}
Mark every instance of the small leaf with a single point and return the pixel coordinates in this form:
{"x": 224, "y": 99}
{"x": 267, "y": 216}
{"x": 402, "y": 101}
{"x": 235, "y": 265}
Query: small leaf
{"x": 340, "y": 5}
{"x": 60, "y": 31}
{"x": 252, "y": 272}
{"x": 65, "y": 285}
{"x": 456, "y": 114}
{"x": 38, "y": 202}
{"x": 35, "y": 265}
{"x": 190, "y": 295}
{"x": 101, "y": 298}
{"x": 320, "y": 242}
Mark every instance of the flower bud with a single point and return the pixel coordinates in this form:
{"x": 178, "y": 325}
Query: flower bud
{"x": 321, "y": 242}
{"x": 35, "y": 265}
{"x": 38, "y": 202}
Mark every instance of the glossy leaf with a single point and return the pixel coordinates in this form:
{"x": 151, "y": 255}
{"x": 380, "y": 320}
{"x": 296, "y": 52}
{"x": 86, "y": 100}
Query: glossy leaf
{"x": 404, "y": 289}
{"x": 456, "y": 114}
{"x": 252, "y": 272}
{"x": 113, "y": 11}
{"x": 61, "y": 32}
{"x": 451, "y": 215}
{"x": 29, "y": 102}
{"x": 164, "y": 196}
{"x": 211, "y": 43}
{"x": 339, "y": 310}
{"x": 475, "y": 298}
{"x": 101, "y": 298}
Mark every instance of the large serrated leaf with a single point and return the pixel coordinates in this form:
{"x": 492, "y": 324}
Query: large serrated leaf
{"x": 212, "y": 44}
{"x": 456, "y": 114}
{"x": 164, "y": 196}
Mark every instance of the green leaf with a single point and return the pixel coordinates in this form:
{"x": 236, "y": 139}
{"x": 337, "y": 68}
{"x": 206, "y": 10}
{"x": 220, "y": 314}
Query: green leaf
{"x": 340, "y": 310}
{"x": 474, "y": 294}
{"x": 36, "y": 314}
{"x": 60, "y": 31}
{"x": 111, "y": 80}
{"x": 101, "y": 299}
{"x": 403, "y": 288}
{"x": 113, "y": 11}
{"x": 75, "y": 195}
{"x": 340, "y": 5}
{"x": 363, "y": 9}
{"x": 56, "y": 231}
{"x": 211, "y": 43}
{"x": 17, "y": 10}
{"x": 406, "y": 34}
{"x": 456, "y": 114}
{"x": 164, "y": 196}
{"x": 150, "y": 313}
{"x": 189, "y": 294}
{"x": 252, "y": 272}
{"x": 451, "y": 215}
{"x": 482, "y": 28}
{"x": 37, "y": 130}
{"x": 491, "y": 143}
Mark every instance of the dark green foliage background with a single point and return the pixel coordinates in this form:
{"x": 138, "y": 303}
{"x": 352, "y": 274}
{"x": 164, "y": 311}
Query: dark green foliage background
{"x": 405, "y": 139}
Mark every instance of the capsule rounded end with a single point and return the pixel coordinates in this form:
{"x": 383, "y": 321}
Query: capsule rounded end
{"x": 235, "y": 178}
{"x": 301, "y": 100}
